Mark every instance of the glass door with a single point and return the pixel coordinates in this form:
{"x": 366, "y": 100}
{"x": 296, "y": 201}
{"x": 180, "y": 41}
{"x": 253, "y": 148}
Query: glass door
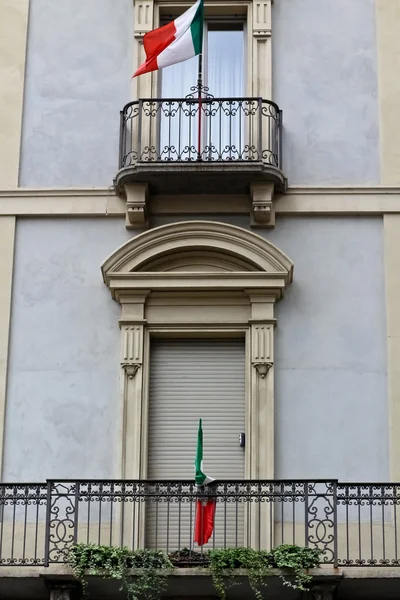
{"x": 217, "y": 119}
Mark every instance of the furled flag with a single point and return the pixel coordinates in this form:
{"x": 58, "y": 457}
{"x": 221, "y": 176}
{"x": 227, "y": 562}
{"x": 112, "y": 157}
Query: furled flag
{"x": 177, "y": 41}
{"x": 205, "y": 508}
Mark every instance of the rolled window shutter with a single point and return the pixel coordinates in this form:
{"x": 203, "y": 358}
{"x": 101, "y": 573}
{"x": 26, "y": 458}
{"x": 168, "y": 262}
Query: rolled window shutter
{"x": 190, "y": 379}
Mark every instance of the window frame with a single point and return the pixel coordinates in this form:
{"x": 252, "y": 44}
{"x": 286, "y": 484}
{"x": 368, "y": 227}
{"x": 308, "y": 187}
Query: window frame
{"x": 233, "y": 300}
{"x": 258, "y": 58}
{"x": 229, "y": 22}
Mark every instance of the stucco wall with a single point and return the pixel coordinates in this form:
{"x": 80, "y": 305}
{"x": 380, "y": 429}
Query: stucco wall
{"x": 330, "y": 370}
{"x": 325, "y": 80}
{"x": 79, "y": 66}
{"x": 62, "y": 401}
{"x": 331, "y": 396}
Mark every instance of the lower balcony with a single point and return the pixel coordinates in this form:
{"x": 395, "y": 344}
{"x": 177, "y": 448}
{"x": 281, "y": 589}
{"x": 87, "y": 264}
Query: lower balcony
{"x": 202, "y": 145}
{"x": 354, "y": 526}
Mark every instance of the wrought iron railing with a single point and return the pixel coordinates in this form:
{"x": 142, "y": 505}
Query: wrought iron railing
{"x": 352, "y": 524}
{"x": 204, "y": 129}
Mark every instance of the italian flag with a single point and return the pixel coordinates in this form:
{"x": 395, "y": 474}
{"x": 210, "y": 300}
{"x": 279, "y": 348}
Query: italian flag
{"x": 177, "y": 41}
{"x": 205, "y": 508}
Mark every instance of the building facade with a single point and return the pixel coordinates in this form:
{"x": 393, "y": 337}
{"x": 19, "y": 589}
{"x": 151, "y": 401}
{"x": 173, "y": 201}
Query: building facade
{"x": 233, "y": 258}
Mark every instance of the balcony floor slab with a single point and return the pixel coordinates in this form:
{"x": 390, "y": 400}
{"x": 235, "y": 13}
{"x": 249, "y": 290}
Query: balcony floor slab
{"x": 353, "y": 583}
{"x": 200, "y": 177}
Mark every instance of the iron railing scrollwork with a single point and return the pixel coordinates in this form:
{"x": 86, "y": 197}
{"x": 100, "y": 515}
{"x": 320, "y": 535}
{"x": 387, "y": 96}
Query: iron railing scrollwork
{"x": 205, "y": 129}
{"x": 351, "y": 524}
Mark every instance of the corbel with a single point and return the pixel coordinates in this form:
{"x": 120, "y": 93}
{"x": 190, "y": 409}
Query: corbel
{"x": 262, "y": 207}
{"x": 136, "y": 206}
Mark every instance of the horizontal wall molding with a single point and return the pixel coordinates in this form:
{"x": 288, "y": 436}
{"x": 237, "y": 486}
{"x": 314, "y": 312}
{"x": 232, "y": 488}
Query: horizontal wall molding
{"x": 103, "y": 202}
{"x": 69, "y": 202}
{"x": 339, "y": 200}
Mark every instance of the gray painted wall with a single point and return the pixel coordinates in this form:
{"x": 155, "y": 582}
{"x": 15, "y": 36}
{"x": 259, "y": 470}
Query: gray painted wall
{"x": 325, "y": 80}
{"x": 62, "y": 400}
{"x": 331, "y": 397}
{"x": 330, "y": 376}
{"x": 79, "y": 66}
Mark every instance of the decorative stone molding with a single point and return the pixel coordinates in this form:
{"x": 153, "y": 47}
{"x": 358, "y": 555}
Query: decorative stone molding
{"x": 136, "y": 205}
{"x": 132, "y": 337}
{"x": 262, "y": 343}
{"x": 262, "y": 18}
{"x": 261, "y": 48}
{"x": 131, "y": 346}
{"x": 131, "y": 369}
{"x": 262, "y": 208}
{"x": 262, "y": 368}
{"x": 268, "y": 269}
{"x": 199, "y": 278}
{"x": 143, "y": 18}
{"x": 298, "y": 201}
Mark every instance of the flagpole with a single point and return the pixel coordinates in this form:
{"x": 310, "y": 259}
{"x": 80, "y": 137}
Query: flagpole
{"x": 199, "y": 90}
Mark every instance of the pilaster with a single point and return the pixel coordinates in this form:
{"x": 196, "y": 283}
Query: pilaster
{"x": 7, "y": 236}
{"x": 262, "y": 401}
{"x": 144, "y": 22}
{"x": 261, "y": 412}
{"x": 14, "y": 16}
{"x": 262, "y": 58}
{"x": 132, "y": 339}
{"x": 132, "y": 336}
{"x": 131, "y": 377}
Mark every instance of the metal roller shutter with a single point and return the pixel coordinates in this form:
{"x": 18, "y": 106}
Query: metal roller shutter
{"x": 190, "y": 379}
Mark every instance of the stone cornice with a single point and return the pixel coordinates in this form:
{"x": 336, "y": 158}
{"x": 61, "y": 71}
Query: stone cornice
{"x": 103, "y": 202}
{"x": 61, "y": 202}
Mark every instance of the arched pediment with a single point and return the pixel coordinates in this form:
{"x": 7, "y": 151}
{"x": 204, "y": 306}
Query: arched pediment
{"x": 197, "y": 279}
{"x": 199, "y": 261}
{"x": 179, "y": 255}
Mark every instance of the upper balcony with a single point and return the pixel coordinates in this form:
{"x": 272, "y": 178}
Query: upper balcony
{"x": 201, "y": 145}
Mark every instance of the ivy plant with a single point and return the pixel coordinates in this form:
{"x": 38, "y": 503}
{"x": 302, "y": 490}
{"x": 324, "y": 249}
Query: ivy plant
{"x": 148, "y": 580}
{"x": 143, "y": 572}
{"x": 296, "y": 559}
{"x": 259, "y": 565}
{"x": 224, "y": 562}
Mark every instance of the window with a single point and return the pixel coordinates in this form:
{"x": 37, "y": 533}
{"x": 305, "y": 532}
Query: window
{"x": 223, "y": 63}
{"x": 236, "y": 67}
{"x": 220, "y": 127}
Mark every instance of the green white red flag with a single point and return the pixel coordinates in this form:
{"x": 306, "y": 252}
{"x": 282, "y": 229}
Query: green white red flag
{"x": 175, "y": 42}
{"x": 205, "y": 508}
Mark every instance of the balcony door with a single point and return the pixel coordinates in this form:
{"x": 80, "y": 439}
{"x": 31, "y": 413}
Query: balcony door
{"x": 223, "y": 64}
{"x": 192, "y": 379}
{"x": 218, "y": 125}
